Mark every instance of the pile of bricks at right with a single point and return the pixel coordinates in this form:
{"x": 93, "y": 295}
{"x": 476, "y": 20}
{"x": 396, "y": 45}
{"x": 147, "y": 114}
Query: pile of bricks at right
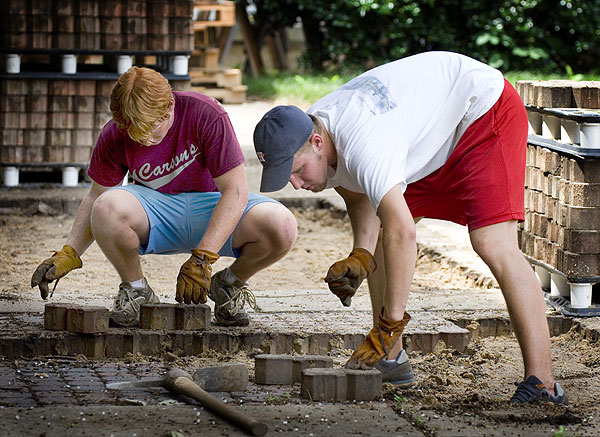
{"x": 561, "y": 232}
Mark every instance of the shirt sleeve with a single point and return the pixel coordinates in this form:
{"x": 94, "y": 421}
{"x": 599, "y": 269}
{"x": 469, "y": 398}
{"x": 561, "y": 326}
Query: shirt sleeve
{"x": 222, "y": 149}
{"x": 108, "y": 166}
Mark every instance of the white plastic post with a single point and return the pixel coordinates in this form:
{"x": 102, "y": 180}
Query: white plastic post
{"x": 590, "y": 135}
{"x": 558, "y": 286}
{"x": 543, "y": 276}
{"x": 550, "y": 127}
{"x": 581, "y": 295}
{"x": 124, "y": 63}
{"x": 569, "y": 131}
{"x": 180, "y": 65}
{"x": 69, "y": 64}
{"x": 13, "y": 63}
{"x": 535, "y": 122}
{"x": 11, "y": 176}
{"x": 70, "y": 176}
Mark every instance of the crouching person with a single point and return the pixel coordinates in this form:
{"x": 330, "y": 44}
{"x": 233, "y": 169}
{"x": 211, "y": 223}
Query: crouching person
{"x": 189, "y": 196}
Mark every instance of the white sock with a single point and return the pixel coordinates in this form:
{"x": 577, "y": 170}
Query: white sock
{"x": 140, "y": 283}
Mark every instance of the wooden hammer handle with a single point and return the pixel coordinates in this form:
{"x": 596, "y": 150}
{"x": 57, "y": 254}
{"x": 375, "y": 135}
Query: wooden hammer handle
{"x": 189, "y": 388}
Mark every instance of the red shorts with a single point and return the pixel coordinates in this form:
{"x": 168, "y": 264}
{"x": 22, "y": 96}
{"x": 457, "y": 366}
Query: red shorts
{"x": 483, "y": 181}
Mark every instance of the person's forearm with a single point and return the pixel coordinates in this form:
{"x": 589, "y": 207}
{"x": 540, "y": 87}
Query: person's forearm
{"x": 81, "y": 236}
{"x": 224, "y": 219}
{"x": 400, "y": 252}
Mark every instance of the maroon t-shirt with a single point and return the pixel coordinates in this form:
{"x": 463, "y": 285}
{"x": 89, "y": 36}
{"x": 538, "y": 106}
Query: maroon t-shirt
{"x": 200, "y": 145}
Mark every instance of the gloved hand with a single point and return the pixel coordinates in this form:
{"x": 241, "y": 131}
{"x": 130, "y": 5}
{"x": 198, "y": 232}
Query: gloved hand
{"x": 345, "y": 276}
{"x": 193, "y": 281}
{"x": 377, "y": 343}
{"x": 54, "y": 268}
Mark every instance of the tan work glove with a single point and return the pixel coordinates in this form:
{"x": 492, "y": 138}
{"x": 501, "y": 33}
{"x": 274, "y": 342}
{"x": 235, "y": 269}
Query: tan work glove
{"x": 54, "y": 268}
{"x": 378, "y": 343}
{"x": 193, "y": 281}
{"x": 345, "y": 276}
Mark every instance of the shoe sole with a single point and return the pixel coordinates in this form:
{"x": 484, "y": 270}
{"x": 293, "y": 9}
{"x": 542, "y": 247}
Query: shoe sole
{"x": 404, "y": 380}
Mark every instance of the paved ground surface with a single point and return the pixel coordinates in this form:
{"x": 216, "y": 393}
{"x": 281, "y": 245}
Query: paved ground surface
{"x": 67, "y": 395}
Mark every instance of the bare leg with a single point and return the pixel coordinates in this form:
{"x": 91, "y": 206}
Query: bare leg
{"x": 497, "y": 246}
{"x": 265, "y": 234}
{"x": 120, "y": 225}
{"x": 376, "y": 281}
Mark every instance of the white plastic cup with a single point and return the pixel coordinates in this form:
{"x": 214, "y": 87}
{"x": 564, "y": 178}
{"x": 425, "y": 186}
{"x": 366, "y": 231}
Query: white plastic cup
{"x": 124, "y": 63}
{"x": 11, "y": 176}
{"x": 558, "y": 285}
{"x": 590, "y": 135}
{"x": 70, "y": 176}
{"x": 180, "y": 65}
{"x": 13, "y": 63}
{"x": 543, "y": 276}
{"x": 69, "y": 64}
{"x": 581, "y": 295}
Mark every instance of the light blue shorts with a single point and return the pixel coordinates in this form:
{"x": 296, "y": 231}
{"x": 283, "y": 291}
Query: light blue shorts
{"x": 178, "y": 221}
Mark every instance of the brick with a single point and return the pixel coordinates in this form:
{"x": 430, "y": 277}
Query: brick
{"x": 82, "y": 137}
{"x": 63, "y": 7}
{"x": 363, "y": 385}
{"x": 579, "y": 217}
{"x": 577, "y": 267}
{"x": 553, "y": 94}
{"x": 324, "y": 385}
{"x": 38, "y": 87}
{"x": 102, "y": 103}
{"x": 57, "y": 154}
{"x": 13, "y": 104}
{"x": 60, "y": 103}
{"x": 89, "y": 24}
{"x": 85, "y": 87}
{"x": 11, "y": 137}
{"x": 61, "y": 87}
{"x": 87, "y": 8}
{"x": 100, "y": 119}
{"x": 58, "y": 137}
{"x": 586, "y": 95}
{"x": 111, "y": 41}
{"x": 192, "y": 317}
{"x": 583, "y": 242}
{"x": 83, "y": 120}
{"x": 33, "y": 154}
{"x": 61, "y": 120}
{"x": 81, "y": 154}
{"x": 223, "y": 378}
{"x": 87, "y": 319}
{"x": 117, "y": 345}
{"x": 135, "y": 8}
{"x": 13, "y": 120}
{"x": 88, "y": 41}
{"x": 15, "y": 87}
{"x": 579, "y": 194}
{"x": 83, "y": 103}
{"x": 134, "y": 25}
{"x": 104, "y": 87}
{"x": 64, "y": 24}
{"x": 158, "y": 25}
{"x": 303, "y": 362}
{"x": 37, "y": 103}
{"x": 65, "y": 41}
{"x": 273, "y": 369}
{"x": 111, "y": 8}
{"x": 158, "y": 9}
{"x": 157, "y": 316}
{"x": 55, "y": 316}
{"x": 12, "y": 154}
{"x": 110, "y": 25}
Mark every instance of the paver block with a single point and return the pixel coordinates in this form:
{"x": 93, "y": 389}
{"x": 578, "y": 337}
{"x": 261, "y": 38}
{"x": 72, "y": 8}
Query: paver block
{"x": 55, "y": 316}
{"x": 87, "y": 319}
{"x": 223, "y": 378}
{"x": 324, "y": 385}
{"x": 302, "y": 362}
{"x": 157, "y": 316}
{"x": 363, "y": 385}
{"x": 192, "y": 317}
{"x": 273, "y": 369}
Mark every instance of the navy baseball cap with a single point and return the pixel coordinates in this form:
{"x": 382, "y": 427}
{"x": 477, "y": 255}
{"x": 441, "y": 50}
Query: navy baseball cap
{"x": 277, "y": 136}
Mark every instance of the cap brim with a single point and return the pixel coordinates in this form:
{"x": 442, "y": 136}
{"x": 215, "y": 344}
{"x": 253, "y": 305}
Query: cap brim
{"x": 275, "y": 178}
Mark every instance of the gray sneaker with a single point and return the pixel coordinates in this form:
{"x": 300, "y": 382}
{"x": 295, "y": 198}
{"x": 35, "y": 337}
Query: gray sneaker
{"x": 229, "y": 299}
{"x": 533, "y": 390}
{"x": 398, "y": 371}
{"x": 126, "y": 307}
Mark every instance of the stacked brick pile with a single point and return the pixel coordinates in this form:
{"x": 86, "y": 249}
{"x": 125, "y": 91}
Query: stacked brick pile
{"x": 562, "y": 196}
{"x": 54, "y": 118}
{"x": 88, "y": 25}
{"x": 51, "y": 120}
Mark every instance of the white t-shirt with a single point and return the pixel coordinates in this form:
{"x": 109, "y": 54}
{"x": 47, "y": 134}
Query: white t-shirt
{"x": 397, "y": 123}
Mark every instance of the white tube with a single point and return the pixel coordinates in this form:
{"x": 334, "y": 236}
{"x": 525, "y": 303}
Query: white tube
{"x": 11, "y": 176}
{"x": 69, "y": 64}
{"x": 70, "y": 176}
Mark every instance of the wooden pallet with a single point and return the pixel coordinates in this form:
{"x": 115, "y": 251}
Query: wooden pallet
{"x": 234, "y": 94}
{"x": 216, "y": 77}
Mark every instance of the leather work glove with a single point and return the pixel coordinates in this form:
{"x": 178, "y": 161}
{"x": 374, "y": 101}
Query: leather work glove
{"x": 193, "y": 281}
{"x": 377, "y": 343}
{"x": 54, "y": 268}
{"x": 345, "y": 276}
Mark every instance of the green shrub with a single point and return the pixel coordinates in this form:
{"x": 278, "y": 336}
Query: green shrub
{"x": 547, "y": 35}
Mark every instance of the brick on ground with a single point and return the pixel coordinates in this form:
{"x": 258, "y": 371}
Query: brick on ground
{"x": 324, "y": 385}
{"x": 363, "y": 385}
{"x": 87, "y": 319}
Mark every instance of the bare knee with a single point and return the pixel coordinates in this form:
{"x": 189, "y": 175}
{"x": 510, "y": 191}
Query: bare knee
{"x": 270, "y": 224}
{"x": 115, "y": 209}
{"x": 282, "y": 229}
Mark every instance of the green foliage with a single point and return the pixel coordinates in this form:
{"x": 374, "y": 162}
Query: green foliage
{"x": 509, "y": 34}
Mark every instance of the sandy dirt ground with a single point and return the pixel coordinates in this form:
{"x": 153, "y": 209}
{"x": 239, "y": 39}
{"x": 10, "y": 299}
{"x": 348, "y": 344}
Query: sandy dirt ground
{"x": 454, "y": 392}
